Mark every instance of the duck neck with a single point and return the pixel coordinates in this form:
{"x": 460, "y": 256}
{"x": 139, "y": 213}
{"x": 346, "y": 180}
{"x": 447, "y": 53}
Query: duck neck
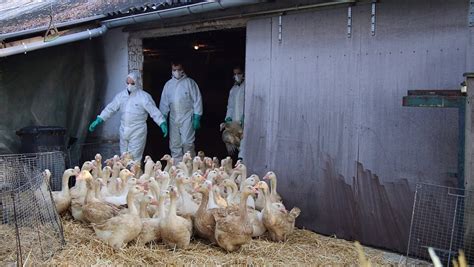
{"x": 97, "y": 191}
{"x": 242, "y": 182}
{"x": 212, "y": 198}
{"x": 130, "y": 203}
{"x": 243, "y": 206}
{"x": 195, "y": 166}
{"x": 266, "y": 198}
{"x": 243, "y": 175}
{"x": 124, "y": 179}
{"x": 99, "y": 169}
{"x": 230, "y": 194}
{"x": 89, "y": 193}
{"x": 149, "y": 169}
{"x": 155, "y": 191}
{"x": 168, "y": 166}
{"x": 172, "y": 211}
{"x": 115, "y": 172}
{"x": 165, "y": 183}
{"x": 106, "y": 175}
{"x": 273, "y": 185}
{"x": 161, "y": 207}
{"x": 143, "y": 210}
{"x": 204, "y": 201}
{"x": 65, "y": 183}
{"x": 184, "y": 168}
{"x": 235, "y": 190}
{"x": 217, "y": 196}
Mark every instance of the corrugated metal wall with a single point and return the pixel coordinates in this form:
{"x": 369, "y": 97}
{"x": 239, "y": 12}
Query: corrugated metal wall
{"x": 324, "y": 111}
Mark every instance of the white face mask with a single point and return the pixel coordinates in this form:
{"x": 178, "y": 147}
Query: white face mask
{"x": 177, "y": 74}
{"x": 131, "y": 87}
{"x": 238, "y": 78}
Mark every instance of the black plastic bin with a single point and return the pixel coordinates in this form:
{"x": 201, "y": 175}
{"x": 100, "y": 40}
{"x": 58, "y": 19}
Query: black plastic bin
{"x": 36, "y": 139}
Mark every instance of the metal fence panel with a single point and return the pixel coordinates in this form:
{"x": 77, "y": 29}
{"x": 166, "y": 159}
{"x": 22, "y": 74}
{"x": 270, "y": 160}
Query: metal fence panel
{"x": 30, "y": 226}
{"x": 441, "y": 219}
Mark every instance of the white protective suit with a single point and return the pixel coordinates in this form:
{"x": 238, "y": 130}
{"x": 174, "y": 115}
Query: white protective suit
{"x": 235, "y": 107}
{"x": 135, "y": 107}
{"x": 235, "y": 104}
{"x": 181, "y": 99}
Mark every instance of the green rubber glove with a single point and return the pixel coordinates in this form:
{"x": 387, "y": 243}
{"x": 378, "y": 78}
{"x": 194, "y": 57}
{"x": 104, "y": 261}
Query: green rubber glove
{"x": 95, "y": 123}
{"x": 196, "y": 121}
{"x": 228, "y": 119}
{"x": 242, "y": 120}
{"x": 164, "y": 129}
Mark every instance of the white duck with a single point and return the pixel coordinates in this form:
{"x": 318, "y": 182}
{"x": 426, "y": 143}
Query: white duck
{"x": 234, "y": 229}
{"x": 148, "y": 172}
{"x": 274, "y": 196}
{"x": 151, "y": 226}
{"x": 279, "y": 222}
{"x": 163, "y": 180}
{"x": 97, "y": 172}
{"x": 120, "y": 230}
{"x": 216, "y": 193}
{"x": 121, "y": 199}
{"x": 188, "y": 160}
{"x": 186, "y": 205}
{"x": 175, "y": 230}
{"x": 169, "y": 162}
{"x": 240, "y": 174}
{"x": 94, "y": 210}
{"x": 79, "y": 189}
{"x": 62, "y": 199}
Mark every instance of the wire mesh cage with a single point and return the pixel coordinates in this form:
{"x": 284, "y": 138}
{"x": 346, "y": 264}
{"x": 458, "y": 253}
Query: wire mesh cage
{"x": 87, "y": 151}
{"x": 442, "y": 218}
{"x": 21, "y": 165}
{"x": 30, "y": 226}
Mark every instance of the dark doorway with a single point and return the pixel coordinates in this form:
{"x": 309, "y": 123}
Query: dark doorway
{"x": 208, "y": 58}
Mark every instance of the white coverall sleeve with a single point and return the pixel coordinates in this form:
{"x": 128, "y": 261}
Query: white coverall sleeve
{"x": 111, "y": 108}
{"x": 164, "y": 102}
{"x": 150, "y": 106}
{"x": 230, "y": 104}
{"x": 196, "y": 97}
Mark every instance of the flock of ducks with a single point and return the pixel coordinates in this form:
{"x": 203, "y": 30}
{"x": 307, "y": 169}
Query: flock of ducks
{"x": 200, "y": 196}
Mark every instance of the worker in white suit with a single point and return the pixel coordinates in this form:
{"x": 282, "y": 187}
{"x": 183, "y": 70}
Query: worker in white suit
{"x": 235, "y": 104}
{"x": 182, "y": 101}
{"x": 135, "y": 105}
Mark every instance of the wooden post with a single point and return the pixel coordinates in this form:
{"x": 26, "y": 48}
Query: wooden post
{"x": 469, "y": 167}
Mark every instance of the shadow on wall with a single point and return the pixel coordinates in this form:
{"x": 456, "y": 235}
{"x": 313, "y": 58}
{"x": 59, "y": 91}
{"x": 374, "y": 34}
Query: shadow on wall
{"x": 55, "y": 86}
{"x": 367, "y": 210}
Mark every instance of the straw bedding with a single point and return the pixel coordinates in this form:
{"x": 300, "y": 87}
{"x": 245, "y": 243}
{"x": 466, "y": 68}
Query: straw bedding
{"x": 302, "y": 247}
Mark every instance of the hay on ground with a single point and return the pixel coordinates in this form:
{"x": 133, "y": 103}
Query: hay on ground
{"x": 302, "y": 247}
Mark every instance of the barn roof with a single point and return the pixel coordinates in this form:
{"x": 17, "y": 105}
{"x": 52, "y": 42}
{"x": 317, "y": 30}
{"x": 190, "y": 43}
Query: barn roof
{"x": 20, "y": 15}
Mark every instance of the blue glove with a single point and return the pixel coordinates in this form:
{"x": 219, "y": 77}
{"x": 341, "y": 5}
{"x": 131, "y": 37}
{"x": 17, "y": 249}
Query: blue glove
{"x": 228, "y": 119}
{"x": 164, "y": 129}
{"x": 95, "y": 123}
{"x": 196, "y": 121}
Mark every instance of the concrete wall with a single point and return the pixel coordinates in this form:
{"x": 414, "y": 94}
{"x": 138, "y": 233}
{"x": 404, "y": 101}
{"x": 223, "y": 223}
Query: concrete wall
{"x": 115, "y": 46}
{"x": 325, "y": 112}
